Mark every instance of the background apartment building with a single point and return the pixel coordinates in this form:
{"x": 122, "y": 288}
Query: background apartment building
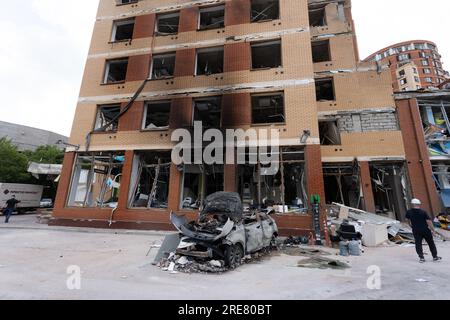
{"x": 414, "y": 65}
{"x": 290, "y": 65}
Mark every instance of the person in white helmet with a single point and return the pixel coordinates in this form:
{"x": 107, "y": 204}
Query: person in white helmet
{"x": 422, "y": 227}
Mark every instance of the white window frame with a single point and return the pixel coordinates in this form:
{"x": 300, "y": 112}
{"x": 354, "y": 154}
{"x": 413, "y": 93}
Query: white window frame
{"x": 164, "y": 55}
{"x": 210, "y": 9}
{"x": 206, "y": 50}
{"x": 144, "y": 119}
{"x": 118, "y": 23}
{"x": 167, "y": 15}
{"x": 108, "y": 64}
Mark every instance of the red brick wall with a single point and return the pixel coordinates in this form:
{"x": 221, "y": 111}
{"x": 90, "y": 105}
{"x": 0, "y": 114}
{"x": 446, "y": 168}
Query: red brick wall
{"x": 132, "y": 120}
{"x": 366, "y": 184}
{"x": 419, "y": 165}
{"x": 230, "y": 178}
{"x": 144, "y": 26}
{"x": 181, "y": 113}
{"x": 64, "y": 181}
{"x": 185, "y": 63}
{"x": 188, "y": 19}
{"x": 237, "y": 12}
{"x": 236, "y": 109}
{"x": 138, "y": 67}
{"x": 125, "y": 180}
{"x": 174, "y": 188}
{"x": 237, "y": 57}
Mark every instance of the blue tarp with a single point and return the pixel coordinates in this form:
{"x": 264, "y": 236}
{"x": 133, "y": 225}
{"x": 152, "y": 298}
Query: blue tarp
{"x": 445, "y": 196}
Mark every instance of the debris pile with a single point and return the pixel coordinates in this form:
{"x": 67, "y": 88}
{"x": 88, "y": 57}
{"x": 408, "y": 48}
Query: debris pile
{"x": 177, "y": 263}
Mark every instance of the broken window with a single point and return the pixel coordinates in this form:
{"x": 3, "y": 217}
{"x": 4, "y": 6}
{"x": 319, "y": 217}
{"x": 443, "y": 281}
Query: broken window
{"x": 389, "y": 189}
{"x": 268, "y": 108}
{"x": 96, "y": 180}
{"x": 210, "y": 61}
{"x": 285, "y": 191}
{"x": 317, "y": 16}
{"x": 116, "y": 71}
{"x": 107, "y": 114}
{"x": 167, "y": 24}
{"x": 212, "y": 18}
{"x": 329, "y": 133}
{"x": 163, "y": 66}
{"x": 119, "y": 2}
{"x": 200, "y": 182}
{"x": 266, "y": 55}
{"x": 208, "y": 111}
{"x": 156, "y": 115}
{"x": 342, "y": 184}
{"x": 325, "y": 89}
{"x": 123, "y": 30}
{"x": 263, "y": 10}
{"x": 150, "y": 179}
{"x": 321, "y": 51}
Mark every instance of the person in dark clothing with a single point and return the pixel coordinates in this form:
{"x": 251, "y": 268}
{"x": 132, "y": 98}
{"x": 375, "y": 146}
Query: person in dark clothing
{"x": 10, "y": 207}
{"x": 422, "y": 227}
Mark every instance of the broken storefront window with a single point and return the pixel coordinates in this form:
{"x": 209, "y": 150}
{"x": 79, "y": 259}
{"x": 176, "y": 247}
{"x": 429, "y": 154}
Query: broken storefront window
{"x": 200, "y": 181}
{"x": 268, "y": 108}
{"x": 210, "y": 61}
{"x": 266, "y": 55}
{"x": 156, "y": 115}
{"x": 150, "y": 180}
{"x": 116, "y": 71}
{"x": 389, "y": 184}
{"x": 212, "y": 18}
{"x": 167, "y": 24}
{"x": 285, "y": 191}
{"x": 342, "y": 184}
{"x": 107, "y": 115}
{"x": 208, "y": 111}
{"x": 163, "y": 66}
{"x": 96, "y": 180}
{"x": 264, "y": 10}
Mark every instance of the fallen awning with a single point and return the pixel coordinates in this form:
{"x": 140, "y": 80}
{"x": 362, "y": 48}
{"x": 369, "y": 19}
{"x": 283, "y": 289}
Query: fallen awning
{"x": 45, "y": 169}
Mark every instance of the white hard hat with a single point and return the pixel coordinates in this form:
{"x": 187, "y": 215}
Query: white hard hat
{"x": 416, "y": 202}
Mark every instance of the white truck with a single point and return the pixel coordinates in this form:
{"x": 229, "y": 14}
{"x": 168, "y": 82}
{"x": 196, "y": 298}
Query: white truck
{"x": 29, "y": 195}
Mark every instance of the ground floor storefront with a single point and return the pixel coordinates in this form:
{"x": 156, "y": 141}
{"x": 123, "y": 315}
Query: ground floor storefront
{"x": 138, "y": 189}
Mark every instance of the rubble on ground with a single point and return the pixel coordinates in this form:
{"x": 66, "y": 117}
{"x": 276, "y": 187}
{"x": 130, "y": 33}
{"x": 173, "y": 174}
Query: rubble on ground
{"x": 177, "y": 263}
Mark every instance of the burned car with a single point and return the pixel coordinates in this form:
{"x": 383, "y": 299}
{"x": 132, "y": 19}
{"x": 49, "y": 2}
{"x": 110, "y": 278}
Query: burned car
{"x": 224, "y": 232}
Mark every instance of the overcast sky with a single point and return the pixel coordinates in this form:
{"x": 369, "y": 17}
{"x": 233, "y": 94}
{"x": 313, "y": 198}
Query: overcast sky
{"x": 45, "y": 44}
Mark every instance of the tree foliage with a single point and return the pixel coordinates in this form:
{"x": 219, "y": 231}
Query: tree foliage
{"x": 14, "y": 164}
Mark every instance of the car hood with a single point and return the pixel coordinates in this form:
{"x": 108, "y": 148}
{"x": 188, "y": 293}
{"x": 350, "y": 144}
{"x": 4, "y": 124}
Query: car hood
{"x": 182, "y": 225}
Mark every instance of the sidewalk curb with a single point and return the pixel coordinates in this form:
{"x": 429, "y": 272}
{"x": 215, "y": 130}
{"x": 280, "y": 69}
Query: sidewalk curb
{"x": 87, "y": 230}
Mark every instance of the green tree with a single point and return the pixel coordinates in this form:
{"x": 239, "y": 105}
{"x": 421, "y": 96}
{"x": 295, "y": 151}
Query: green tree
{"x": 13, "y": 163}
{"x": 46, "y": 154}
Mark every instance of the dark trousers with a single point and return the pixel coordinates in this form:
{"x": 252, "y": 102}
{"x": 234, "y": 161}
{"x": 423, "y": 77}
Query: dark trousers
{"x": 428, "y": 236}
{"x": 7, "y": 212}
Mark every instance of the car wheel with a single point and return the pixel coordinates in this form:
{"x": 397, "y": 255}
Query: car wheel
{"x": 233, "y": 256}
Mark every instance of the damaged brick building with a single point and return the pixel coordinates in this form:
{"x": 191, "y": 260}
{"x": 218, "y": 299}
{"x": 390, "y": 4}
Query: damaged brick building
{"x": 291, "y": 65}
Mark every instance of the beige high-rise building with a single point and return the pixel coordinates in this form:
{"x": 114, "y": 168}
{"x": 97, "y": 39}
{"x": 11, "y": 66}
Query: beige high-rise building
{"x": 155, "y": 66}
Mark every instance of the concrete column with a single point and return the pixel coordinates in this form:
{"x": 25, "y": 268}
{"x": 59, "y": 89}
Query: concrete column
{"x": 230, "y": 178}
{"x": 366, "y": 185}
{"x": 64, "y": 181}
{"x": 417, "y": 156}
{"x": 125, "y": 180}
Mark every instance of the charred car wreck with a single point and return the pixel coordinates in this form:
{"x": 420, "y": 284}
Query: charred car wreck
{"x": 224, "y": 232}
